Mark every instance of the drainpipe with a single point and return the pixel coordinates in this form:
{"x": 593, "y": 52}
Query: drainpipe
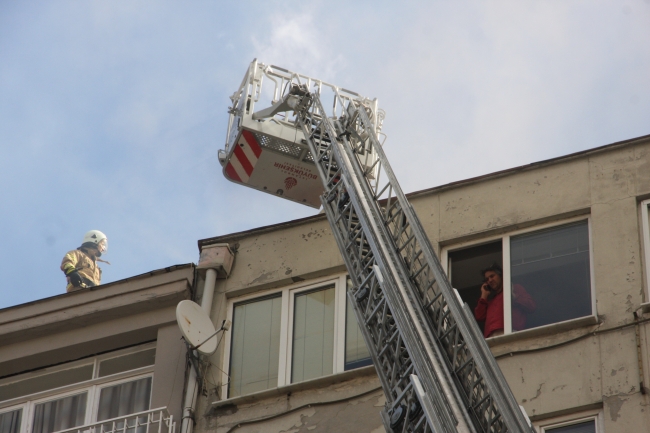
{"x": 217, "y": 261}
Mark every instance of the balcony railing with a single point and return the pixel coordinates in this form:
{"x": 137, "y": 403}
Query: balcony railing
{"x": 150, "y": 421}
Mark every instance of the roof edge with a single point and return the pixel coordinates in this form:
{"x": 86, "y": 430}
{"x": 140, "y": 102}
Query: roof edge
{"x": 124, "y": 280}
{"x": 414, "y": 194}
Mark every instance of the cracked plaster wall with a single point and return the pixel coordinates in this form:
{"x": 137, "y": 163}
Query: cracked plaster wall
{"x": 600, "y": 369}
{"x": 337, "y": 410}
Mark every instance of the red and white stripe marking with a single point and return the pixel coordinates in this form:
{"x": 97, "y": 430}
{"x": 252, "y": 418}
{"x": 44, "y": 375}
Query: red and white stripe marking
{"x": 246, "y": 154}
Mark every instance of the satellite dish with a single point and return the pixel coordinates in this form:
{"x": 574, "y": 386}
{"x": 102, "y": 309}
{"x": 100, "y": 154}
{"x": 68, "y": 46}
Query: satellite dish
{"x": 196, "y": 327}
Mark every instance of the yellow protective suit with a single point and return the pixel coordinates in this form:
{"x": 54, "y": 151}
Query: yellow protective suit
{"x": 83, "y": 263}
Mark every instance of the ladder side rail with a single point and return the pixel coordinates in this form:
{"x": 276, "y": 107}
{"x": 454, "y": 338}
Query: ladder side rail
{"x": 480, "y": 403}
{"x": 485, "y": 363}
{"x": 393, "y": 367}
{"x": 430, "y": 367}
{"x": 378, "y": 329}
{"x": 377, "y": 325}
{"x": 404, "y": 316}
{"x": 484, "y": 409}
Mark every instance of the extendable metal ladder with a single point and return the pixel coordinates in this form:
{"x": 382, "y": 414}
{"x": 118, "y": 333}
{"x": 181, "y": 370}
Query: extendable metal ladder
{"x": 434, "y": 365}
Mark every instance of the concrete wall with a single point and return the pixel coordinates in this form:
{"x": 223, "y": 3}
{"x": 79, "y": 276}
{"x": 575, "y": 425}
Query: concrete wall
{"x": 587, "y": 365}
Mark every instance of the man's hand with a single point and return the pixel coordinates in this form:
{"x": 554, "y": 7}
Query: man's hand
{"x": 75, "y": 278}
{"x": 485, "y": 291}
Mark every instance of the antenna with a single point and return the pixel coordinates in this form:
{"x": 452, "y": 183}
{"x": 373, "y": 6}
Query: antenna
{"x": 196, "y": 327}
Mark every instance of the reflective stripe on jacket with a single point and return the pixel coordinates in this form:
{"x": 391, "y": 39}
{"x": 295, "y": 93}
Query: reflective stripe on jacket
{"x": 81, "y": 262}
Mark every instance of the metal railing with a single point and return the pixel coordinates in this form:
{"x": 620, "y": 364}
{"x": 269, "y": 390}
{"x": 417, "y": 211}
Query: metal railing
{"x": 149, "y": 421}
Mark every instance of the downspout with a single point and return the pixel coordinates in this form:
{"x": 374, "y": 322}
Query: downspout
{"x": 217, "y": 261}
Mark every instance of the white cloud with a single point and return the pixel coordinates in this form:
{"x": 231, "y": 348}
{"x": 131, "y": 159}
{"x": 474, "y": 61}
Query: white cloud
{"x": 296, "y": 42}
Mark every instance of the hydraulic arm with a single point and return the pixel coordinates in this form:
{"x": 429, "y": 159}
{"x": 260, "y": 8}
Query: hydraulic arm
{"x": 434, "y": 365}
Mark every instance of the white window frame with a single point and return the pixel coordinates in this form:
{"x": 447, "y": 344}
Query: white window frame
{"x": 93, "y": 386}
{"x": 287, "y": 295}
{"x": 98, "y": 389}
{"x": 22, "y": 406}
{"x": 546, "y": 425}
{"x": 505, "y": 251}
{"x": 645, "y": 230}
{"x": 27, "y": 424}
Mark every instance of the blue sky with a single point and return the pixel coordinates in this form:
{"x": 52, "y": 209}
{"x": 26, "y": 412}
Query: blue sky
{"x": 112, "y": 113}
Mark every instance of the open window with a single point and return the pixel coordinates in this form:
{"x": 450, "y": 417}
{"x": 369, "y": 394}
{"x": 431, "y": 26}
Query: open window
{"x": 546, "y": 274}
{"x": 465, "y": 267}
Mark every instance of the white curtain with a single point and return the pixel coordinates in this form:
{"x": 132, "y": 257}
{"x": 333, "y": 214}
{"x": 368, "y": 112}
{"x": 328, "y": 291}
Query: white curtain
{"x": 313, "y": 335}
{"x": 255, "y": 352}
{"x": 10, "y": 421}
{"x": 60, "y": 414}
{"x": 124, "y": 399}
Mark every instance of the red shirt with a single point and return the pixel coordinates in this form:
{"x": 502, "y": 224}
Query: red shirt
{"x": 491, "y": 310}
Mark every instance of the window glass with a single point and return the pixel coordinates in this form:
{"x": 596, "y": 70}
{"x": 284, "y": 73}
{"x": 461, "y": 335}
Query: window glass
{"x": 583, "y": 427}
{"x": 127, "y": 362}
{"x": 124, "y": 399}
{"x": 45, "y": 382}
{"x": 550, "y": 276}
{"x": 313, "y": 335}
{"x": 356, "y": 351}
{"x": 10, "y": 421}
{"x": 255, "y": 350}
{"x": 60, "y": 414}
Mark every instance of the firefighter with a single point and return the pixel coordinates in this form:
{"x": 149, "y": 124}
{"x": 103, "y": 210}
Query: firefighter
{"x": 80, "y": 265}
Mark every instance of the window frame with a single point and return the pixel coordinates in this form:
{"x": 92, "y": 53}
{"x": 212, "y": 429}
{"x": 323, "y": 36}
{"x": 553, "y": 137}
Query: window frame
{"x": 93, "y": 386}
{"x": 97, "y": 389}
{"x": 505, "y": 251}
{"x": 92, "y": 399}
{"x": 288, "y": 294}
{"x": 645, "y": 234}
{"x": 567, "y": 420}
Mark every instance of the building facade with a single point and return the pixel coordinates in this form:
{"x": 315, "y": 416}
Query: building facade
{"x": 572, "y": 231}
{"x": 96, "y": 359}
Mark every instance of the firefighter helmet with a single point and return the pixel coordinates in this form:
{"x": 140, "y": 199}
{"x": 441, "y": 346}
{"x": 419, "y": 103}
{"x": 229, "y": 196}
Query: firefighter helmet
{"x": 97, "y": 238}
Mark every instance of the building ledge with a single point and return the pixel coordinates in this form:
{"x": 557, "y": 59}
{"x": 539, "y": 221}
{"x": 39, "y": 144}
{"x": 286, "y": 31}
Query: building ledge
{"x": 554, "y": 328}
{"x": 288, "y": 389}
{"x": 645, "y": 307}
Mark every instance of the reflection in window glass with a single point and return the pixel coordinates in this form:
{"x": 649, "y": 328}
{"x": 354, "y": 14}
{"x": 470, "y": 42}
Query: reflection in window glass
{"x": 127, "y": 362}
{"x": 255, "y": 350}
{"x": 313, "y": 335}
{"x": 356, "y": 351}
{"x": 46, "y": 381}
{"x": 583, "y": 427}
{"x": 10, "y": 421}
{"x": 552, "y": 267}
{"x": 60, "y": 414}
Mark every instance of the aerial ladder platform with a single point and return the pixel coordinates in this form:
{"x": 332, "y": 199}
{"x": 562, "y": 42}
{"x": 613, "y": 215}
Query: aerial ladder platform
{"x": 435, "y": 368}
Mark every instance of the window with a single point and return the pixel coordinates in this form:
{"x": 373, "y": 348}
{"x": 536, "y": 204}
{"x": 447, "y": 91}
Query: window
{"x": 78, "y": 393}
{"x": 645, "y": 229}
{"x": 60, "y": 414}
{"x": 591, "y": 424}
{"x": 255, "y": 345}
{"x": 546, "y": 275}
{"x": 10, "y": 421}
{"x": 356, "y": 352}
{"x": 290, "y": 335}
{"x": 313, "y": 334}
